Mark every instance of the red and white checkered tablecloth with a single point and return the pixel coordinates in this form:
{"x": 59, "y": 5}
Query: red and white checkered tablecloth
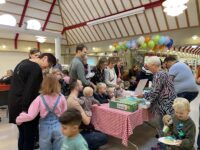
{"x": 117, "y": 123}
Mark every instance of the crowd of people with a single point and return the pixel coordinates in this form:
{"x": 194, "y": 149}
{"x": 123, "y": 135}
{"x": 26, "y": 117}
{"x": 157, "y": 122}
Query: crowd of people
{"x": 48, "y": 100}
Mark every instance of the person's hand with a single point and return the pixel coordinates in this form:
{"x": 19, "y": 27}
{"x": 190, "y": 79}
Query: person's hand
{"x": 140, "y": 96}
{"x": 178, "y": 142}
{"x": 117, "y": 86}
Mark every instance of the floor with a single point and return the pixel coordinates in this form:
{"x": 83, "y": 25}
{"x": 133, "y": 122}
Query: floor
{"x": 143, "y": 136}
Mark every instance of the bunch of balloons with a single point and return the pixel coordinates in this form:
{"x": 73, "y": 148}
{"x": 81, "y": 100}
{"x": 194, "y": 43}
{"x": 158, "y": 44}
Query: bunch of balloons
{"x": 154, "y": 43}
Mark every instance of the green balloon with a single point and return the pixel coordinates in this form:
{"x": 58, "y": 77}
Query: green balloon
{"x": 156, "y": 38}
{"x": 144, "y": 46}
{"x": 151, "y": 44}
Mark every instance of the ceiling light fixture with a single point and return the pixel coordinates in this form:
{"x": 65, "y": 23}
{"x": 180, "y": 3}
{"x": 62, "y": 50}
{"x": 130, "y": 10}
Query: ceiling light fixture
{"x": 173, "y": 8}
{"x": 41, "y": 39}
{"x": 3, "y": 46}
{"x": 2, "y": 1}
{"x": 33, "y": 24}
{"x": 194, "y": 37}
{"x": 7, "y": 19}
{"x": 117, "y": 16}
{"x": 194, "y": 46}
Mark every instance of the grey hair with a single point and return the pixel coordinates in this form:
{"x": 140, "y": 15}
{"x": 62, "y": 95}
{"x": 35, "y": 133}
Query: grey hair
{"x": 154, "y": 60}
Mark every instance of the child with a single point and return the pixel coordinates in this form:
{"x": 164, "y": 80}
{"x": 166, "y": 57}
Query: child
{"x": 87, "y": 100}
{"x": 183, "y": 126}
{"x": 101, "y": 95}
{"x": 71, "y": 120}
{"x": 50, "y": 104}
{"x": 111, "y": 93}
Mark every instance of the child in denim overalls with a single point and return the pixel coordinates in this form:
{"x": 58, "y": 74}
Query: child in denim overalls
{"x": 50, "y": 104}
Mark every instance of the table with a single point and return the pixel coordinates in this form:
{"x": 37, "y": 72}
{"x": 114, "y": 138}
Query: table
{"x": 4, "y": 89}
{"x": 117, "y": 123}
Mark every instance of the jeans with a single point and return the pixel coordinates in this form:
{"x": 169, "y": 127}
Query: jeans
{"x": 188, "y": 95}
{"x": 94, "y": 139}
{"x": 27, "y": 132}
{"x": 198, "y": 139}
{"x": 51, "y": 137}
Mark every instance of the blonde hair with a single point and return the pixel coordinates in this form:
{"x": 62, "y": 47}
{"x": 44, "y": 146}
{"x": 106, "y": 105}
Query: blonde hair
{"x": 111, "y": 89}
{"x": 54, "y": 71}
{"x": 50, "y": 85}
{"x": 99, "y": 85}
{"x": 181, "y": 103}
{"x": 87, "y": 90}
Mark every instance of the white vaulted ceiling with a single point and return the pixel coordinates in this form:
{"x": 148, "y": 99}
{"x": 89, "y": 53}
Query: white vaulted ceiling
{"x": 69, "y": 17}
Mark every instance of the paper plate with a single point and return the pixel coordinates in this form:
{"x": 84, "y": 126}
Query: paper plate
{"x": 168, "y": 140}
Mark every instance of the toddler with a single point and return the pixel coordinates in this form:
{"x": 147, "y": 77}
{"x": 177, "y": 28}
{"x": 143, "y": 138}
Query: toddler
{"x": 87, "y": 100}
{"x": 183, "y": 128}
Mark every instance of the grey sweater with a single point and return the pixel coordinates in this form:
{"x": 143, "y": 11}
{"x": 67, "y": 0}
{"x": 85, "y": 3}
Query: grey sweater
{"x": 76, "y": 71}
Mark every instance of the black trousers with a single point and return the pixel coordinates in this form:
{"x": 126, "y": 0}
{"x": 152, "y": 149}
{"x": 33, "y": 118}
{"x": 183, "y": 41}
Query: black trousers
{"x": 27, "y": 133}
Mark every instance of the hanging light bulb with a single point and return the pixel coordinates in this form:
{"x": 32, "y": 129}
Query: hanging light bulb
{"x": 41, "y": 39}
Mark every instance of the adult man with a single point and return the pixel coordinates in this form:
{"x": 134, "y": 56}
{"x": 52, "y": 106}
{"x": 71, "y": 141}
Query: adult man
{"x": 76, "y": 70}
{"x": 26, "y": 82}
{"x": 184, "y": 81}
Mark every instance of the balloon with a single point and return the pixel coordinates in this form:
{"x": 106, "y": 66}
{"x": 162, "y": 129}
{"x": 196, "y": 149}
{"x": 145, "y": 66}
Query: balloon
{"x": 133, "y": 44}
{"x": 156, "y": 48}
{"x": 147, "y": 39}
{"x": 118, "y": 48}
{"x": 156, "y": 38}
{"x": 161, "y": 48}
{"x": 140, "y": 40}
{"x": 167, "y": 40}
{"x": 161, "y": 40}
{"x": 151, "y": 44}
{"x": 144, "y": 46}
{"x": 120, "y": 43}
{"x": 115, "y": 44}
{"x": 128, "y": 44}
{"x": 169, "y": 45}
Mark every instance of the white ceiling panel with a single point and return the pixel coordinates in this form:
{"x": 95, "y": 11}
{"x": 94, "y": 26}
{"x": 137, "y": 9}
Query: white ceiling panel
{"x": 93, "y": 31}
{"x": 105, "y": 8}
{"x": 151, "y": 20}
{"x": 80, "y": 9}
{"x": 143, "y": 23}
{"x": 56, "y": 10}
{"x": 54, "y": 26}
{"x": 121, "y": 27}
{"x": 81, "y": 34}
{"x": 8, "y": 7}
{"x": 135, "y": 25}
{"x": 127, "y": 4}
{"x": 98, "y": 8}
{"x": 103, "y": 29}
{"x": 85, "y": 34}
{"x": 37, "y": 14}
{"x": 109, "y": 29}
{"x": 21, "y": 2}
{"x": 70, "y": 32}
{"x": 92, "y": 9}
{"x": 128, "y": 26}
{"x": 119, "y": 5}
{"x": 136, "y": 3}
{"x": 160, "y": 18}
{"x": 182, "y": 20}
{"x": 171, "y": 22}
{"x": 144, "y": 2}
{"x": 6, "y": 35}
{"x": 111, "y": 6}
{"x": 83, "y": 5}
{"x": 78, "y": 36}
{"x": 89, "y": 33}
{"x": 55, "y": 18}
{"x": 99, "y": 32}
{"x": 114, "y": 26}
{"x": 73, "y": 10}
{"x": 192, "y": 13}
{"x": 39, "y": 5}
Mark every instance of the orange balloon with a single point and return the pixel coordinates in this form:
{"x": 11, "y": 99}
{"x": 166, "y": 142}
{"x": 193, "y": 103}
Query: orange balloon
{"x": 161, "y": 48}
{"x": 147, "y": 39}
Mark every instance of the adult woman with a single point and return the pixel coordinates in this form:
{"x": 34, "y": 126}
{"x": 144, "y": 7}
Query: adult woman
{"x": 99, "y": 71}
{"x": 94, "y": 139}
{"x": 110, "y": 75}
{"x": 162, "y": 93}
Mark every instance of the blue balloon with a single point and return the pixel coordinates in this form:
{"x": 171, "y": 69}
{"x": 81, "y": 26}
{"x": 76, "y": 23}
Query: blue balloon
{"x": 162, "y": 40}
{"x": 129, "y": 44}
{"x": 169, "y": 45}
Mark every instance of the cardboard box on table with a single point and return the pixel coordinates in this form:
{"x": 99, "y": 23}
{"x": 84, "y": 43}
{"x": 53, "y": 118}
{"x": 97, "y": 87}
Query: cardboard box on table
{"x": 129, "y": 104}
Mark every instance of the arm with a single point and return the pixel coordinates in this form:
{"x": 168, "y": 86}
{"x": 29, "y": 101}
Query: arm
{"x": 81, "y": 74}
{"x": 188, "y": 141}
{"x": 157, "y": 86}
{"x": 32, "y": 112}
{"x": 94, "y": 101}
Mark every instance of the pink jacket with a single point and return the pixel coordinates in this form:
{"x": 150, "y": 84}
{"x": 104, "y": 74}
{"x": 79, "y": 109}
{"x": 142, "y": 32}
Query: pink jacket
{"x": 37, "y": 106}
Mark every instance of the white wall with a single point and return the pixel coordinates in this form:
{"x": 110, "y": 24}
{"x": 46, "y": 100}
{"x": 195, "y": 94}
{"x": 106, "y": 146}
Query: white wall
{"x": 8, "y": 60}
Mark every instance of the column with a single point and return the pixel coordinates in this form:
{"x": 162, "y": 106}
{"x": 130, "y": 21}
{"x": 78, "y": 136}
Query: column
{"x": 58, "y": 49}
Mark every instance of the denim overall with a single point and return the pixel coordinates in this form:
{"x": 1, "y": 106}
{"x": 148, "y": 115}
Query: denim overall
{"x": 51, "y": 137}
